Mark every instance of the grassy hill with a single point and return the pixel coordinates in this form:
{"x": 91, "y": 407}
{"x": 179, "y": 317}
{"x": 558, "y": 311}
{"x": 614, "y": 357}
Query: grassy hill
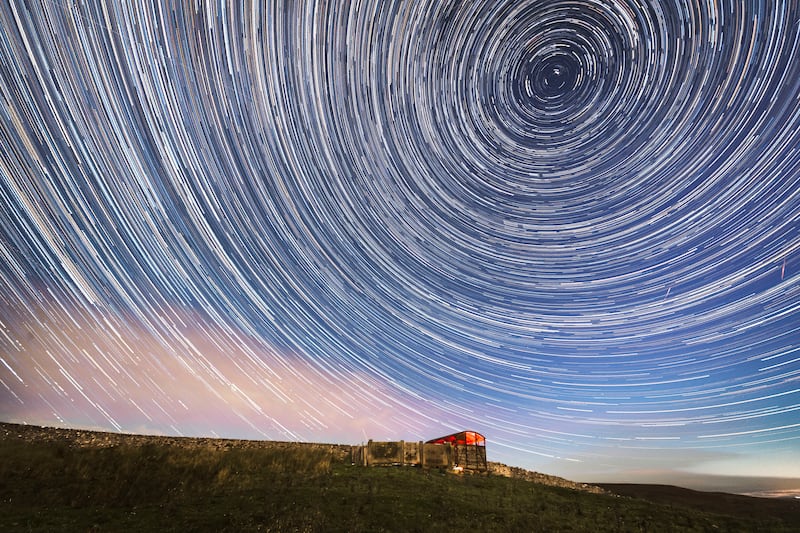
{"x": 65, "y": 480}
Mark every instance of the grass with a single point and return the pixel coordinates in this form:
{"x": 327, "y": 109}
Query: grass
{"x": 54, "y": 486}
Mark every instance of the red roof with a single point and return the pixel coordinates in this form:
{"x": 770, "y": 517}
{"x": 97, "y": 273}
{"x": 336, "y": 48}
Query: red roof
{"x": 472, "y": 438}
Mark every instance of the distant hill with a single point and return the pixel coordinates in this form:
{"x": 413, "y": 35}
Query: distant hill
{"x": 74, "y": 480}
{"x": 714, "y": 502}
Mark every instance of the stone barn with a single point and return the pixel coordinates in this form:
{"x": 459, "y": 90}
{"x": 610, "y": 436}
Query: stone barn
{"x": 468, "y": 449}
{"x": 465, "y": 450}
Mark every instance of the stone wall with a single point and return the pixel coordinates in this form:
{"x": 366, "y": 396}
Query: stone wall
{"x": 80, "y": 438}
{"x": 414, "y": 453}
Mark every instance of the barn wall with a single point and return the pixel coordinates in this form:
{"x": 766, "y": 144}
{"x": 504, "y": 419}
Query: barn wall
{"x": 385, "y": 453}
{"x": 412, "y": 453}
{"x": 437, "y": 455}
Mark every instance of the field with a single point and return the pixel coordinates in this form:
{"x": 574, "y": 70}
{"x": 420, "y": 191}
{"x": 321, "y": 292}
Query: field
{"x": 61, "y": 480}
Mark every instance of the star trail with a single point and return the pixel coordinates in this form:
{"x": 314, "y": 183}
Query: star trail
{"x": 573, "y": 226}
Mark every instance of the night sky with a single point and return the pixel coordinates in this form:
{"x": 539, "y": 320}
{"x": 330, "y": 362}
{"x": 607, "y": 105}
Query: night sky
{"x": 572, "y": 226}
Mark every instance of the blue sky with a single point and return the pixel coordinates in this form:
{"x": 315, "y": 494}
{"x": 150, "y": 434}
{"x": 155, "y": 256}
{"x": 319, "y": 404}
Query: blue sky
{"x": 572, "y": 227}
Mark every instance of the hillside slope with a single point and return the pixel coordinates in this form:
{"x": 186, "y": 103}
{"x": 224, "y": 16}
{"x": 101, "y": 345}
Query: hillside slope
{"x": 68, "y": 480}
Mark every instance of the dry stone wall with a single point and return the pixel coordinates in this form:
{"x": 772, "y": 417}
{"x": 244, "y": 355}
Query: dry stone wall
{"x": 339, "y": 452}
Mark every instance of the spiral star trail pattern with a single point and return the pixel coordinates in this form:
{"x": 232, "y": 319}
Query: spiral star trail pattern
{"x": 570, "y": 225}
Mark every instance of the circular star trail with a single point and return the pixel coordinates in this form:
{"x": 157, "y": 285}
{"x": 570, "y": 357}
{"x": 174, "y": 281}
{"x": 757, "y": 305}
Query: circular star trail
{"x": 571, "y": 225}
